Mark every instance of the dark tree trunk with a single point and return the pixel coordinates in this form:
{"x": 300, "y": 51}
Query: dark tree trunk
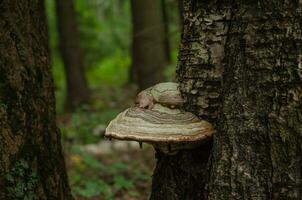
{"x": 166, "y": 30}
{"x": 148, "y": 50}
{"x": 77, "y": 90}
{"x": 31, "y": 161}
{"x": 240, "y": 67}
{"x": 181, "y": 12}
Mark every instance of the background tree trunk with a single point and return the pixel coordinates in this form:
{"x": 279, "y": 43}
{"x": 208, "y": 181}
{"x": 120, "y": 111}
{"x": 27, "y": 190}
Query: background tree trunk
{"x": 181, "y": 12}
{"x": 148, "y": 51}
{"x": 77, "y": 90}
{"x": 166, "y": 30}
{"x": 31, "y": 161}
{"x": 240, "y": 68}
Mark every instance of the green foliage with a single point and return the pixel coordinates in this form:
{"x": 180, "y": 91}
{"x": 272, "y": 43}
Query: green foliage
{"x": 52, "y": 25}
{"x": 104, "y": 27}
{"x": 92, "y": 188}
{"x": 83, "y": 122}
{"x": 169, "y": 72}
{"x": 22, "y": 181}
{"x": 110, "y": 71}
{"x": 121, "y": 183}
{"x": 91, "y": 178}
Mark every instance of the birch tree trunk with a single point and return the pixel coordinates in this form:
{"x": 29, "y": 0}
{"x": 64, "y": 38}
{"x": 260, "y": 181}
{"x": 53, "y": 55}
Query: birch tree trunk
{"x": 31, "y": 161}
{"x": 240, "y": 67}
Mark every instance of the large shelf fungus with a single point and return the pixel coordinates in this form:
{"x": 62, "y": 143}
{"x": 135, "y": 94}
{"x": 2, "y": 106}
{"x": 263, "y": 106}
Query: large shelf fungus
{"x": 160, "y": 121}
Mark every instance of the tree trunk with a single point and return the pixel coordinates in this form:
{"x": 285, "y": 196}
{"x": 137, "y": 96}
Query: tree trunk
{"x": 31, "y": 160}
{"x": 166, "y": 31}
{"x": 148, "y": 51}
{"x": 77, "y": 90}
{"x": 240, "y": 67}
{"x": 181, "y": 12}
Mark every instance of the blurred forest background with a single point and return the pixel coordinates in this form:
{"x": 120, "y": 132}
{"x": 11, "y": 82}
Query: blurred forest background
{"x": 104, "y": 52}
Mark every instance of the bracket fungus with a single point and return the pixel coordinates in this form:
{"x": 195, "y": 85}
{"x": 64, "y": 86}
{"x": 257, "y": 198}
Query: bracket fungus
{"x": 166, "y": 94}
{"x": 158, "y": 119}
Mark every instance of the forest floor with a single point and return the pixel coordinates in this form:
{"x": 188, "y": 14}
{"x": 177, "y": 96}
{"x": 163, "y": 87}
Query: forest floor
{"x": 100, "y": 169}
{"x": 122, "y": 174}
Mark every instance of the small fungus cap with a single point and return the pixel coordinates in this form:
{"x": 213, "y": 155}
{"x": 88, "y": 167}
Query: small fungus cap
{"x": 160, "y": 125}
{"x": 167, "y": 93}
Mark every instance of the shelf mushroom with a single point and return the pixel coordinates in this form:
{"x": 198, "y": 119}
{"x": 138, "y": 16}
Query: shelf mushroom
{"x": 160, "y": 122}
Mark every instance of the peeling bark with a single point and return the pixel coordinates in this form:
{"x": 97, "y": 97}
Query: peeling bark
{"x": 31, "y": 161}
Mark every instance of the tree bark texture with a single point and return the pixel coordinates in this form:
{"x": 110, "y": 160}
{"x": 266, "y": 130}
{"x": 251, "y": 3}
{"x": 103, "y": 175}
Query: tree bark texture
{"x": 77, "y": 89}
{"x": 31, "y": 160}
{"x": 240, "y": 67}
{"x": 148, "y": 47}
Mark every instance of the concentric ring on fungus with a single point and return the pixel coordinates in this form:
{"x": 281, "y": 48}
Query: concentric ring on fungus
{"x": 158, "y": 119}
{"x": 152, "y": 126}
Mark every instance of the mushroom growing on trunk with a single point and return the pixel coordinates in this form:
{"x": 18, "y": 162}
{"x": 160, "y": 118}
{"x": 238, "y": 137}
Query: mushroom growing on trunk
{"x": 158, "y": 119}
